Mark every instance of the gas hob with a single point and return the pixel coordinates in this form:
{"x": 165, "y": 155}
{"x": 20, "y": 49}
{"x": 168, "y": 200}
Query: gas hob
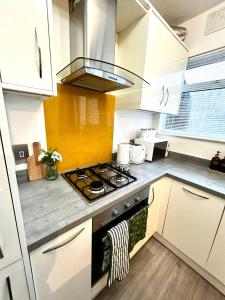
{"x": 97, "y": 181}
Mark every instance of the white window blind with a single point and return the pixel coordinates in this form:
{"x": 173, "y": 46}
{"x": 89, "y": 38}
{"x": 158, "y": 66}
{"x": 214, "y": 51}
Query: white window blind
{"x": 202, "y": 109}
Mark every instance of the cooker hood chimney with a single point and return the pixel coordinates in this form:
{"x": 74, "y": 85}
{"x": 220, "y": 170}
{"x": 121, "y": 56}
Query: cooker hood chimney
{"x": 92, "y": 49}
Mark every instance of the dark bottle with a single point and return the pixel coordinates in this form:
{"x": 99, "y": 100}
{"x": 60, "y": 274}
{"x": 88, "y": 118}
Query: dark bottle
{"x": 215, "y": 162}
{"x": 222, "y": 165}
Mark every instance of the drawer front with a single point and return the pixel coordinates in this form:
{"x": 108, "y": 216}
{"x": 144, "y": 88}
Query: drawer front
{"x": 192, "y": 220}
{"x": 9, "y": 242}
{"x": 62, "y": 267}
{"x": 13, "y": 285}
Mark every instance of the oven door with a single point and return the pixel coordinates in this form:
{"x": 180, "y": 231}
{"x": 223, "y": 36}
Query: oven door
{"x": 101, "y": 245}
{"x": 160, "y": 150}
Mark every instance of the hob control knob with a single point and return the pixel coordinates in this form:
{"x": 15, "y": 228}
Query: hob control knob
{"x": 115, "y": 212}
{"x": 127, "y": 205}
{"x": 137, "y": 199}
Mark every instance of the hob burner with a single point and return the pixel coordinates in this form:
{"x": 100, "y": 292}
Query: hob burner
{"x": 103, "y": 168}
{"x": 119, "y": 178}
{"x": 81, "y": 174}
{"x": 97, "y": 186}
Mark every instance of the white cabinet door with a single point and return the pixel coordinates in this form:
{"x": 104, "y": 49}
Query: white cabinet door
{"x": 25, "y": 58}
{"x": 153, "y": 210}
{"x": 62, "y": 268}
{"x": 192, "y": 220}
{"x": 9, "y": 242}
{"x": 163, "y": 203}
{"x": 161, "y": 61}
{"x": 13, "y": 285}
{"x": 165, "y": 64}
{"x": 216, "y": 262}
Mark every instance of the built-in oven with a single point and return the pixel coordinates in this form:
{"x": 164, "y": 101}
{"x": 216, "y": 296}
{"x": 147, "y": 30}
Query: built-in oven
{"x": 126, "y": 208}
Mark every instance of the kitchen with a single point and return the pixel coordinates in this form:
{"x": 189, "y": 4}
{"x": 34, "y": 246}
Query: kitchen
{"x": 111, "y": 151}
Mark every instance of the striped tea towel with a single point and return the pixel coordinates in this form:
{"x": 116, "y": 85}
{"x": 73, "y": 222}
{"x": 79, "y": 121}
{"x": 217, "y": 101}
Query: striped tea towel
{"x": 119, "y": 265}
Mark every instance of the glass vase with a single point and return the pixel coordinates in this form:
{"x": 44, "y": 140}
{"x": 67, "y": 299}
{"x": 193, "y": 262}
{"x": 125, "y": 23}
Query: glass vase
{"x": 51, "y": 172}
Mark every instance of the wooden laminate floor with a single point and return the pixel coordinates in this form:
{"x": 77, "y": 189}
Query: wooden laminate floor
{"x": 157, "y": 274}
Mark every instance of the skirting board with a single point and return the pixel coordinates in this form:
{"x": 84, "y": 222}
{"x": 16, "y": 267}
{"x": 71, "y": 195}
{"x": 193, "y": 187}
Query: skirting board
{"x": 208, "y": 277}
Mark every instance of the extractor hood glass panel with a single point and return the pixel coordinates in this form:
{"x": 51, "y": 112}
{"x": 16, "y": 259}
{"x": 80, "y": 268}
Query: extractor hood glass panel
{"x": 99, "y": 76}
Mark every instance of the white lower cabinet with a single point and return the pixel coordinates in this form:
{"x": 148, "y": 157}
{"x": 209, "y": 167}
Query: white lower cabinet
{"x": 62, "y": 268}
{"x": 216, "y": 262}
{"x": 163, "y": 199}
{"x": 13, "y": 285}
{"x": 153, "y": 210}
{"x": 192, "y": 220}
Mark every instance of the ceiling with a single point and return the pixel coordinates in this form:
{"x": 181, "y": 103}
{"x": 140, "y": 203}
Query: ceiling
{"x": 177, "y": 11}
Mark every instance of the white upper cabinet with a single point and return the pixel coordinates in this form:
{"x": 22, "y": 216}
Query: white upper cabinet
{"x": 192, "y": 221}
{"x": 9, "y": 242}
{"x": 150, "y": 48}
{"x": 25, "y": 52}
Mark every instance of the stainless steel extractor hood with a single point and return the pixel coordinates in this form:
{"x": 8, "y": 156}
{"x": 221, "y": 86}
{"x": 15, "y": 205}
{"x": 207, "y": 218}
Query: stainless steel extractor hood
{"x": 92, "y": 49}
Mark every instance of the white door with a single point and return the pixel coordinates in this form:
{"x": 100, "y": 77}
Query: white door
{"x": 163, "y": 203}
{"x": 165, "y": 64}
{"x": 13, "y": 285}
{"x": 216, "y": 262}
{"x": 9, "y": 242}
{"x": 154, "y": 194}
{"x": 62, "y": 268}
{"x": 192, "y": 220}
{"x": 25, "y": 50}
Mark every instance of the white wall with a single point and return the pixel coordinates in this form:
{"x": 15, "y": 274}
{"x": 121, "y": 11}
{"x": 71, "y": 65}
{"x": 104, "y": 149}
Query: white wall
{"x": 127, "y": 124}
{"x": 198, "y": 43}
{"x": 26, "y": 121}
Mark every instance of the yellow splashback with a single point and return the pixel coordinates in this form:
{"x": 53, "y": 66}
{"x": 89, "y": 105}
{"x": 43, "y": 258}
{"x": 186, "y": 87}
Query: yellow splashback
{"x": 79, "y": 124}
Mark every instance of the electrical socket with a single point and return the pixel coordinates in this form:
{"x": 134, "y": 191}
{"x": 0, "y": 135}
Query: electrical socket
{"x": 20, "y": 153}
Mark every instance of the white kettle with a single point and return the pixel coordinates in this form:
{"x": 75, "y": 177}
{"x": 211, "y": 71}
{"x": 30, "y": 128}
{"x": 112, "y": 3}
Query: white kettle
{"x": 130, "y": 153}
{"x": 123, "y": 154}
{"x": 137, "y": 153}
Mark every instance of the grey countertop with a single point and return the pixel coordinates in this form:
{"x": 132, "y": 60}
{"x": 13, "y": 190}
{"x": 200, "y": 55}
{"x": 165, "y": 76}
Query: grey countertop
{"x": 51, "y": 208}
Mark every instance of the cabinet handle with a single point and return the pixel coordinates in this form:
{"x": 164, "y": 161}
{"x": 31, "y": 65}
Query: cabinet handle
{"x": 163, "y": 92}
{"x": 153, "y": 195}
{"x": 168, "y": 95}
{"x": 64, "y": 243}
{"x": 8, "y": 281}
{"x": 39, "y": 54}
{"x": 187, "y": 191}
{"x": 1, "y": 253}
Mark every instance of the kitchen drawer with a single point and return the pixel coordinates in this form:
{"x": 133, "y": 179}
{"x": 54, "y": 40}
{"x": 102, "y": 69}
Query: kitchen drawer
{"x": 13, "y": 285}
{"x": 62, "y": 268}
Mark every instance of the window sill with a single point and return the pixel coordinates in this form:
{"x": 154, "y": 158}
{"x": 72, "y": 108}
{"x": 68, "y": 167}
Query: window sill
{"x": 192, "y": 137}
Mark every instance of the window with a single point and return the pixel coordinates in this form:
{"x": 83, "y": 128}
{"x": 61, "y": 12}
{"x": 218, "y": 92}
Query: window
{"x": 202, "y": 109}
